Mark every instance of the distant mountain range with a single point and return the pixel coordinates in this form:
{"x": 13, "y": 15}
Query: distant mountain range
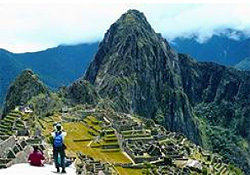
{"x": 55, "y": 66}
{"x": 244, "y": 64}
{"x": 63, "y": 64}
{"x": 136, "y": 71}
{"x": 220, "y": 49}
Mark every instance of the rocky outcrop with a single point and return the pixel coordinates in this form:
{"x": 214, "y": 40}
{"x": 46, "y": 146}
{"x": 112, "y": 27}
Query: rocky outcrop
{"x": 136, "y": 68}
{"x": 82, "y": 91}
{"x": 243, "y": 64}
{"x": 220, "y": 97}
{"x": 25, "y": 86}
{"x": 227, "y": 89}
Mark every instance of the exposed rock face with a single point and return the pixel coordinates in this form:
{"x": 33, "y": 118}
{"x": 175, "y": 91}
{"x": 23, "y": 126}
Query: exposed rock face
{"x": 209, "y": 83}
{"x": 26, "y": 86}
{"x": 136, "y": 68}
{"x": 220, "y": 97}
{"x": 82, "y": 91}
{"x": 243, "y": 64}
{"x": 60, "y": 65}
{"x": 9, "y": 69}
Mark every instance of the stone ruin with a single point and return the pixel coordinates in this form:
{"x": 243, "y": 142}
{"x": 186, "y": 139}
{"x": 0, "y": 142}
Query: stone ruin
{"x": 15, "y": 123}
{"x": 15, "y": 150}
{"x": 146, "y": 142}
{"x": 88, "y": 166}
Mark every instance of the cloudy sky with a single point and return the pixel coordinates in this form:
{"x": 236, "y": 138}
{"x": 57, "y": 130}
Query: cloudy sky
{"x": 27, "y": 27}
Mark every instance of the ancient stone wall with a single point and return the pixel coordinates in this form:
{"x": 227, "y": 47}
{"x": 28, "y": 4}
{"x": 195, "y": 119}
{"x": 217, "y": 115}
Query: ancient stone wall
{"x": 22, "y": 156}
{"x": 6, "y": 145}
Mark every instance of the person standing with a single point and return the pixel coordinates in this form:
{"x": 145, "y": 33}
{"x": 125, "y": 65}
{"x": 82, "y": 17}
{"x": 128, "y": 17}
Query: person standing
{"x": 59, "y": 147}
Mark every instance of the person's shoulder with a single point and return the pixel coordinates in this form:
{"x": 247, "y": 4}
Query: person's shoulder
{"x": 53, "y": 133}
{"x": 32, "y": 154}
{"x": 41, "y": 154}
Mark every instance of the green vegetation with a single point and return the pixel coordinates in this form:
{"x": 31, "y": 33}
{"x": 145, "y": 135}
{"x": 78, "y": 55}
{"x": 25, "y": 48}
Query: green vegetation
{"x": 79, "y": 139}
{"x": 224, "y": 141}
{"x": 13, "y": 122}
{"x": 45, "y": 105}
{"x": 60, "y": 65}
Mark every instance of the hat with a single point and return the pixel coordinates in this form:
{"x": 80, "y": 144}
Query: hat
{"x": 58, "y": 127}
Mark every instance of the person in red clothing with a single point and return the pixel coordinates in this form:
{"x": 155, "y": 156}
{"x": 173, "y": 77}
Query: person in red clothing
{"x": 36, "y": 158}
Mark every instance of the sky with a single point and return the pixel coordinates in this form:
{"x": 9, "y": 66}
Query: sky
{"x": 33, "y": 27}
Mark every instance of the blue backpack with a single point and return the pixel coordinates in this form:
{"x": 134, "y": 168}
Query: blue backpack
{"x": 58, "y": 140}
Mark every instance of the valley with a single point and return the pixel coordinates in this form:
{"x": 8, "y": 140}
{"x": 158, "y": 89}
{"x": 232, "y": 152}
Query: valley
{"x": 140, "y": 108}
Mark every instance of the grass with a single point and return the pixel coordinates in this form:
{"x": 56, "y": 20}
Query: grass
{"x": 130, "y": 132}
{"x": 93, "y": 120}
{"x": 128, "y": 171}
{"x": 80, "y": 132}
{"x": 26, "y": 117}
{"x": 5, "y": 127}
{"x": 110, "y": 136}
{"x": 136, "y": 136}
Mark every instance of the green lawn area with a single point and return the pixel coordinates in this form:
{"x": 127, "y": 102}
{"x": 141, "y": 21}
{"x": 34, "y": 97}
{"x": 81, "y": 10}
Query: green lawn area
{"x": 129, "y": 171}
{"x": 79, "y": 131}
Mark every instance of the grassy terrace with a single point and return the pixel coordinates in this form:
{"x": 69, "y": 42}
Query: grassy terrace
{"x": 79, "y": 139}
{"x": 129, "y": 171}
{"x": 7, "y": 123}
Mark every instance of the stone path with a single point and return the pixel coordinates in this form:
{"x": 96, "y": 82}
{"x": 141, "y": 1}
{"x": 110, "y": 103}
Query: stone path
{"x": 128, "y": 157}
{"x": 26, "y": 169}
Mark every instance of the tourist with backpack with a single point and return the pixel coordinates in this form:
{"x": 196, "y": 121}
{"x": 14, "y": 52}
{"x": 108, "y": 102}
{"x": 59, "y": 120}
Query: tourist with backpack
{"x": 59, "y": 147}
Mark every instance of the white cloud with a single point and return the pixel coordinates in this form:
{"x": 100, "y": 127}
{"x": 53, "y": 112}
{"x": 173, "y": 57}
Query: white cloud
{"x": 26, "y": 27}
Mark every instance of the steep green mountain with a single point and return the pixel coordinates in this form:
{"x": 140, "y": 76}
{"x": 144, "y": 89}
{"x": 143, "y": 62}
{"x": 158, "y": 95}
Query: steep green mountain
{"x": 137, "y": 70}
{"x": 220, "y": 99}
{"x": 82, "y": 91}
{"x": 25, "y": 86}
{"x": 61, "y": 65}
{"x": 244, "y": 64}
{"x": 55, "y": 66}
{"x": 220, "y": 48}
{"x": 9, "y": 68}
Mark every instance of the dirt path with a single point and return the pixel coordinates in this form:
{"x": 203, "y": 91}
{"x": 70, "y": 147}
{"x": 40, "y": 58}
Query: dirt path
{"x": 128, "y": 157}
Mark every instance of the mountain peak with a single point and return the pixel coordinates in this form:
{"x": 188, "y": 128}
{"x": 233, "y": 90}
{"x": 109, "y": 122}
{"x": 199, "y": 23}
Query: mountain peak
{"x": 132, "y": 24}
{"x": 132, "y": 17}
{"x": 131, "y": 36}
{"x": 27, "y": 72}
{"x": 134, "y": 66}
{"x": 25, "y": 86}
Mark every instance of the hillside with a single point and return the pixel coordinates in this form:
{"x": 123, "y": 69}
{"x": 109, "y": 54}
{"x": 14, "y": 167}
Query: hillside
{"x": 140, "y": 101}
{"x": 141, "y": 74}
{"x": 55, "y": 66}
{"x": 104, "y": 140}
{"x": 9, "y": 69}
{"x": 244, "y": 64}
{"x": 25, "y": 86}
{"x": 29, "y": 170}
{"x": 98, "y": 137}
{"x": 64, "y": 64}
{"x": 220, "y": 48}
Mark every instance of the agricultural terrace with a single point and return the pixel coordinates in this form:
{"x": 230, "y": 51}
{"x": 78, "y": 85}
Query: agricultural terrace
{"x": 89, "y": 137}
